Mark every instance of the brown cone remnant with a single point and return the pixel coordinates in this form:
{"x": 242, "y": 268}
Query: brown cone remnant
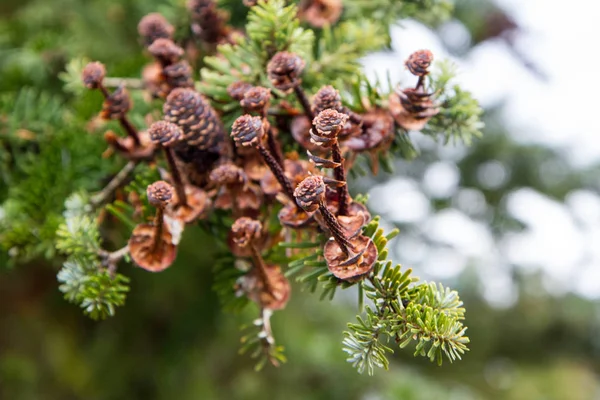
{"x": 327, "y": 97}
{"x": 377, "y": 136}
{"x": 165, "y": 133}
{"x": 328, "y": 124}
{"x": 412, "y": 108}
{"x": 256, "y": 99}
{"x": 348, "y": 258}
{"x": 209, "y": 23}
{"x": 284, "y": 70}
{"x": 165, "y": 51}
{"x": 319, "y": 13}
{"x": 235, "y": 190}
{"x": 255, "y": 287}
{"x": 418, "y": 63}
{"x": 151, "y": 245}
{"x": 179, "y": 75}
{"x": 117, "y": 104}
{"x": 248, "y": 131}
{"x": 238, "y": 89}
{"x": 267, "y": 285}
{"x": 192, "y": 202}
{"x": 310, "y": 193}
{"x": 154, "y": 26}
{"x": 245, "y": 231}
{"x": 93, "y": 74}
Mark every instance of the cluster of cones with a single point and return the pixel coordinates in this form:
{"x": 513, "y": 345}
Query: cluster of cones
{"x": 248, "y": 175}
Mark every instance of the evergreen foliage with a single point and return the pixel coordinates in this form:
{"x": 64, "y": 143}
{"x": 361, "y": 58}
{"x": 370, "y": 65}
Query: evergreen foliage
{"x": 53, "y": 163}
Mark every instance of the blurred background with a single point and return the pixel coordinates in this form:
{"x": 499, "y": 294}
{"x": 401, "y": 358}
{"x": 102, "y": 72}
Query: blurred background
{"x": 512, "y": 222}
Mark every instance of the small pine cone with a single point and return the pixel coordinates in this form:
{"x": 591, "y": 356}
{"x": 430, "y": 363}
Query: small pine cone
{"x": 199, "y": 8}
{"x": 327, "y": 97}
{"x": 237, "y": 89}
{"x": 247, "y": 130}
{"x": 256, "y": 99}
{"x": 319, "y": 13}
{"x": 199, "y": 122}
{"x": 179, "y": 75}
{"x": 284, "y": 70}
{"x": 160, "y": 194}
{"x": 154, "y": 26}
{"x": 228, "y": 174}
{"x": 209, "y": 20}
{"x": 165, "y": 51}
{"x": 329, "y": 123}
{"x": 93, "y": 75}
{"x": 165, "y": 133}
{"x": 310, "y": 193}
{"x": 245, "y": 231}
{"x": 117, "y": 104}
{"x": 419, "y": 62}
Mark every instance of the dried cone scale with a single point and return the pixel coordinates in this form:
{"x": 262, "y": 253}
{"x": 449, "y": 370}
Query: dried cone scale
{"x": 348, "y": 259}
{"x": 265, "y": 284}
{"x": 412, "y": 108}
{"x": 192, "y": 202}
{"x": 151, "y": 245}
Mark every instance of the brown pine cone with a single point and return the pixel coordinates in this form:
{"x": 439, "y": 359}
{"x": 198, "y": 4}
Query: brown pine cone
{"x": 154, "y": 26}
{"x": 179, "y": 75}
{"x": 117, "y": 104}
{"x": 238, "y": 89}
{"x": 319, "y": 13}
{"x": 165, "y": 51}
{"x": 327, "y": 97}
{"x": 209, "y": 21}
{"x": 419, "y": 62}
{"x": 256, "y": 99}
{"x": 310, "y": 193}
{"x": 329, "y": 123}
{"x": 93, "y": 75}
{"x": 245, "y": 231}
{"x": 284, "y": 70}
{"x": 160, "y": 194}
{"x": 247, "y": 130}
{"x": 164, "y": 133}
{"x": 199, "y": 122}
